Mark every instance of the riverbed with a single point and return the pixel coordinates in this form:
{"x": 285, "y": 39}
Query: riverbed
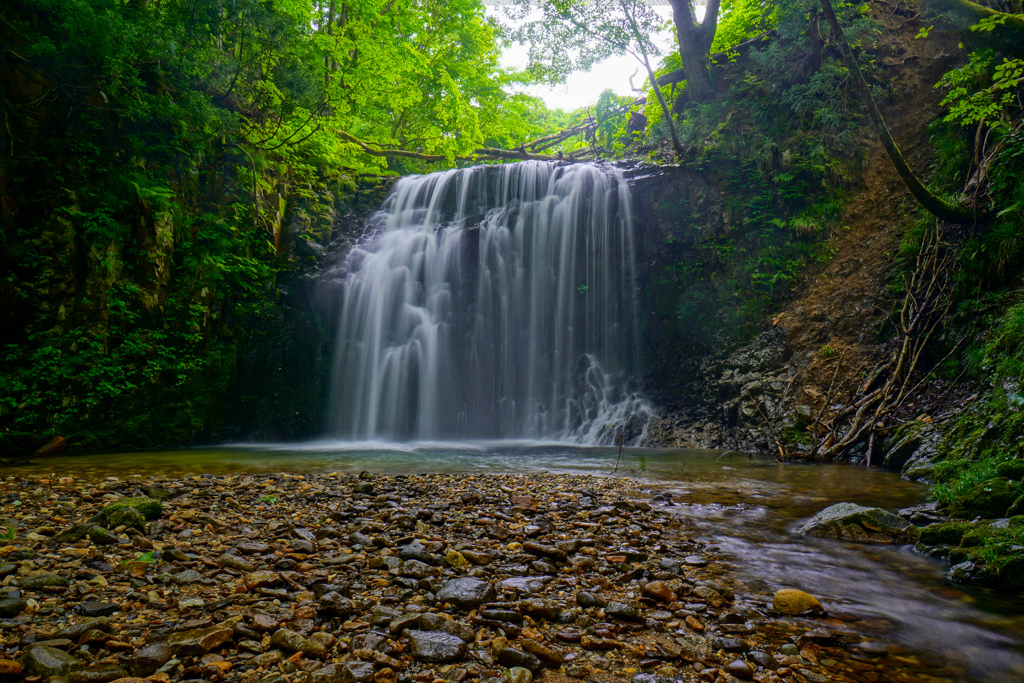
{"x": 744, "y": 507}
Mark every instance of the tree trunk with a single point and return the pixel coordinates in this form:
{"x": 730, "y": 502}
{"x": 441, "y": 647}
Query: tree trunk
{"x": 935, "y": 205}
{"x": 695, "y": 46}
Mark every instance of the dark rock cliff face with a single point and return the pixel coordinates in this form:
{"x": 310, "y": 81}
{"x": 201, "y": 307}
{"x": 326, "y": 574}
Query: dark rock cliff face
{"x": 280, "y": 387}
{"x": 711, "y": 370}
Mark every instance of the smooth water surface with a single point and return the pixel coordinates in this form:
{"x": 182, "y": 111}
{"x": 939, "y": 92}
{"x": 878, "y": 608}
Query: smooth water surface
{"x": 747, "y": 507}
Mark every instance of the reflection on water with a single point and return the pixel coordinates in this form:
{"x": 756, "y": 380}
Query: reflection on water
{"x": 746, "y": 506}
{"x": 749, "y": 510}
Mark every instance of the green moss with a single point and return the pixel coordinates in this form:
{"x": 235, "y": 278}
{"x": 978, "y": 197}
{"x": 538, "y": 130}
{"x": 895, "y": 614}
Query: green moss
{"x": 990, "y": 499}
{"x": 125, "y": 516}
{"x": 148, "y": 507}
{"x": 1011, "y": 469}
{"x": 976, "y": 537}
{"x": 1008, "y": 572}
{"x": 948, "y": 533}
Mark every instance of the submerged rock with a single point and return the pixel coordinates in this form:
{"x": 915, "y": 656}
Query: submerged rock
{"x": 852, "y": 522}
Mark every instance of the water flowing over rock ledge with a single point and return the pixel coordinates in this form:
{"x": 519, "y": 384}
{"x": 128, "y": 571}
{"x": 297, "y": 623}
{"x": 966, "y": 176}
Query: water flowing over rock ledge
{"x": 333, "y": 577}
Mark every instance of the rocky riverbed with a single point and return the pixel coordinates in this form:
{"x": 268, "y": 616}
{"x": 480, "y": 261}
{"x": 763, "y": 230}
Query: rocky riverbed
{"x": 391, "y": 579}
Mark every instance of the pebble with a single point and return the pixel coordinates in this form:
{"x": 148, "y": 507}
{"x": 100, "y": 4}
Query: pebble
{"x": 414, "y": 579}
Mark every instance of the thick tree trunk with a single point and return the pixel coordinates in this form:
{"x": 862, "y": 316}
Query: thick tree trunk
{"x": 935, "y": 205}
{"x": 695, "y": 46}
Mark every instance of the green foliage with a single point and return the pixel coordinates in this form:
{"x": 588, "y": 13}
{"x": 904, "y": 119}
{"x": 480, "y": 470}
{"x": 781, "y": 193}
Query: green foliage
{"x": 741, "y": 20}
{"x": 148, "y": 190}
{"x": 979, "y": 91}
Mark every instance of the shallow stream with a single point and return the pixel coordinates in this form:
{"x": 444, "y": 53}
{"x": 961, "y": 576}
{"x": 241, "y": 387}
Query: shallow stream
{"x": 745, "y": 507}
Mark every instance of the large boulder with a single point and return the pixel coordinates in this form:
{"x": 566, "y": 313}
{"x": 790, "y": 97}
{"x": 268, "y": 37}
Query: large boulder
{"x": 852, "y": 522}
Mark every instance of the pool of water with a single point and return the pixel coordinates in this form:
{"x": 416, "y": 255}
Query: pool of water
{"x": 746, "y": 507}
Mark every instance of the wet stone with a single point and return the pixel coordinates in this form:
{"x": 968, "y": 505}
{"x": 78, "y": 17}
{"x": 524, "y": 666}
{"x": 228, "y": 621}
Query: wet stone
{"x": 540, "y": 609}
{"x": 76, "y": 631}
{"x": 739, "y": 669}
{"x": 48, "y": 661}
{"x": 466, "y": 593}
{"x": 512, "y": 657}
{"x": 12, "y": 607}
{"x": 763, "y": 659}
{"x": 261, "y": 579}
{"x": 458, "y": 629}
{"x": 435, "y": 646}
{"x": 791, "y": 601}
{"x": 545, "y": 654}
{"x": 199, "y": 641}
{"x": 146, "y": 660}
{"x": 98, "y": 673}
{"x": 711, "y": 596}
{"x": 620, "y": 610}
{"x": 585, "y": 599}
{"x": 518, "y": 674}
{"x": 45, "y": 581}
{"x": 525, "y": 584}
{"x": 95, "y": 608}
{"x": 416, "y": 551}
{"x": 190, "y": 576}
{"x": 730, "y": 644}
{"x": 659, "y": 590}
{"x": 354, "y": 672}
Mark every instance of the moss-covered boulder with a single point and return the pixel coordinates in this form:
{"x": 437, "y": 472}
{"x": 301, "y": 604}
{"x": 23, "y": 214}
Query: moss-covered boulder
{"x": 977, "y": 537}
{"x": 1017, "y": 509}
{"x": 125, "y": 516}
{"x": 1011, "y": 469}
{"x": 946, "y": 533}
{"x": 1008, "y": 572}
{"x": 851, "y": 522}
{"x": 989, "y": 499}
{"x": 150, "y": 508}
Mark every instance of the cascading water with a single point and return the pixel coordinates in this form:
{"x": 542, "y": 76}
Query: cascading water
{"x": 494, "y": 302}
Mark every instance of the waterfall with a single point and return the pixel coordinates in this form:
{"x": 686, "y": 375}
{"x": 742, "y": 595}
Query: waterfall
{"x": 492, "y": 302}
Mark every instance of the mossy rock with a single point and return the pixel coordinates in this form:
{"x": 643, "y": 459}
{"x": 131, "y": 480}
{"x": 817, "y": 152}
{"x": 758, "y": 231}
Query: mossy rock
{"x": 125, "y": 516}
{"x": 958, "y": 555}
{"x": 976, "y": 537}
{"x": 1011, "y": 469}
{"x": 945, "y": 533}
{"x": 849, "y": 521}
{"x": 990, "y": 499}
{"x": 1008, "y": 573}
{"x": 150, "y": 508}
{"x": 74, "y": 534}
{"x": 1017, "y": 509}
{"x": 101, "y": 536}
{"x": 905, "y": 442}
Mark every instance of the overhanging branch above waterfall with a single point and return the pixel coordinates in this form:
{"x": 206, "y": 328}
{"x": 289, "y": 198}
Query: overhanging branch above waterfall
{"x": 528, "y": 151}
